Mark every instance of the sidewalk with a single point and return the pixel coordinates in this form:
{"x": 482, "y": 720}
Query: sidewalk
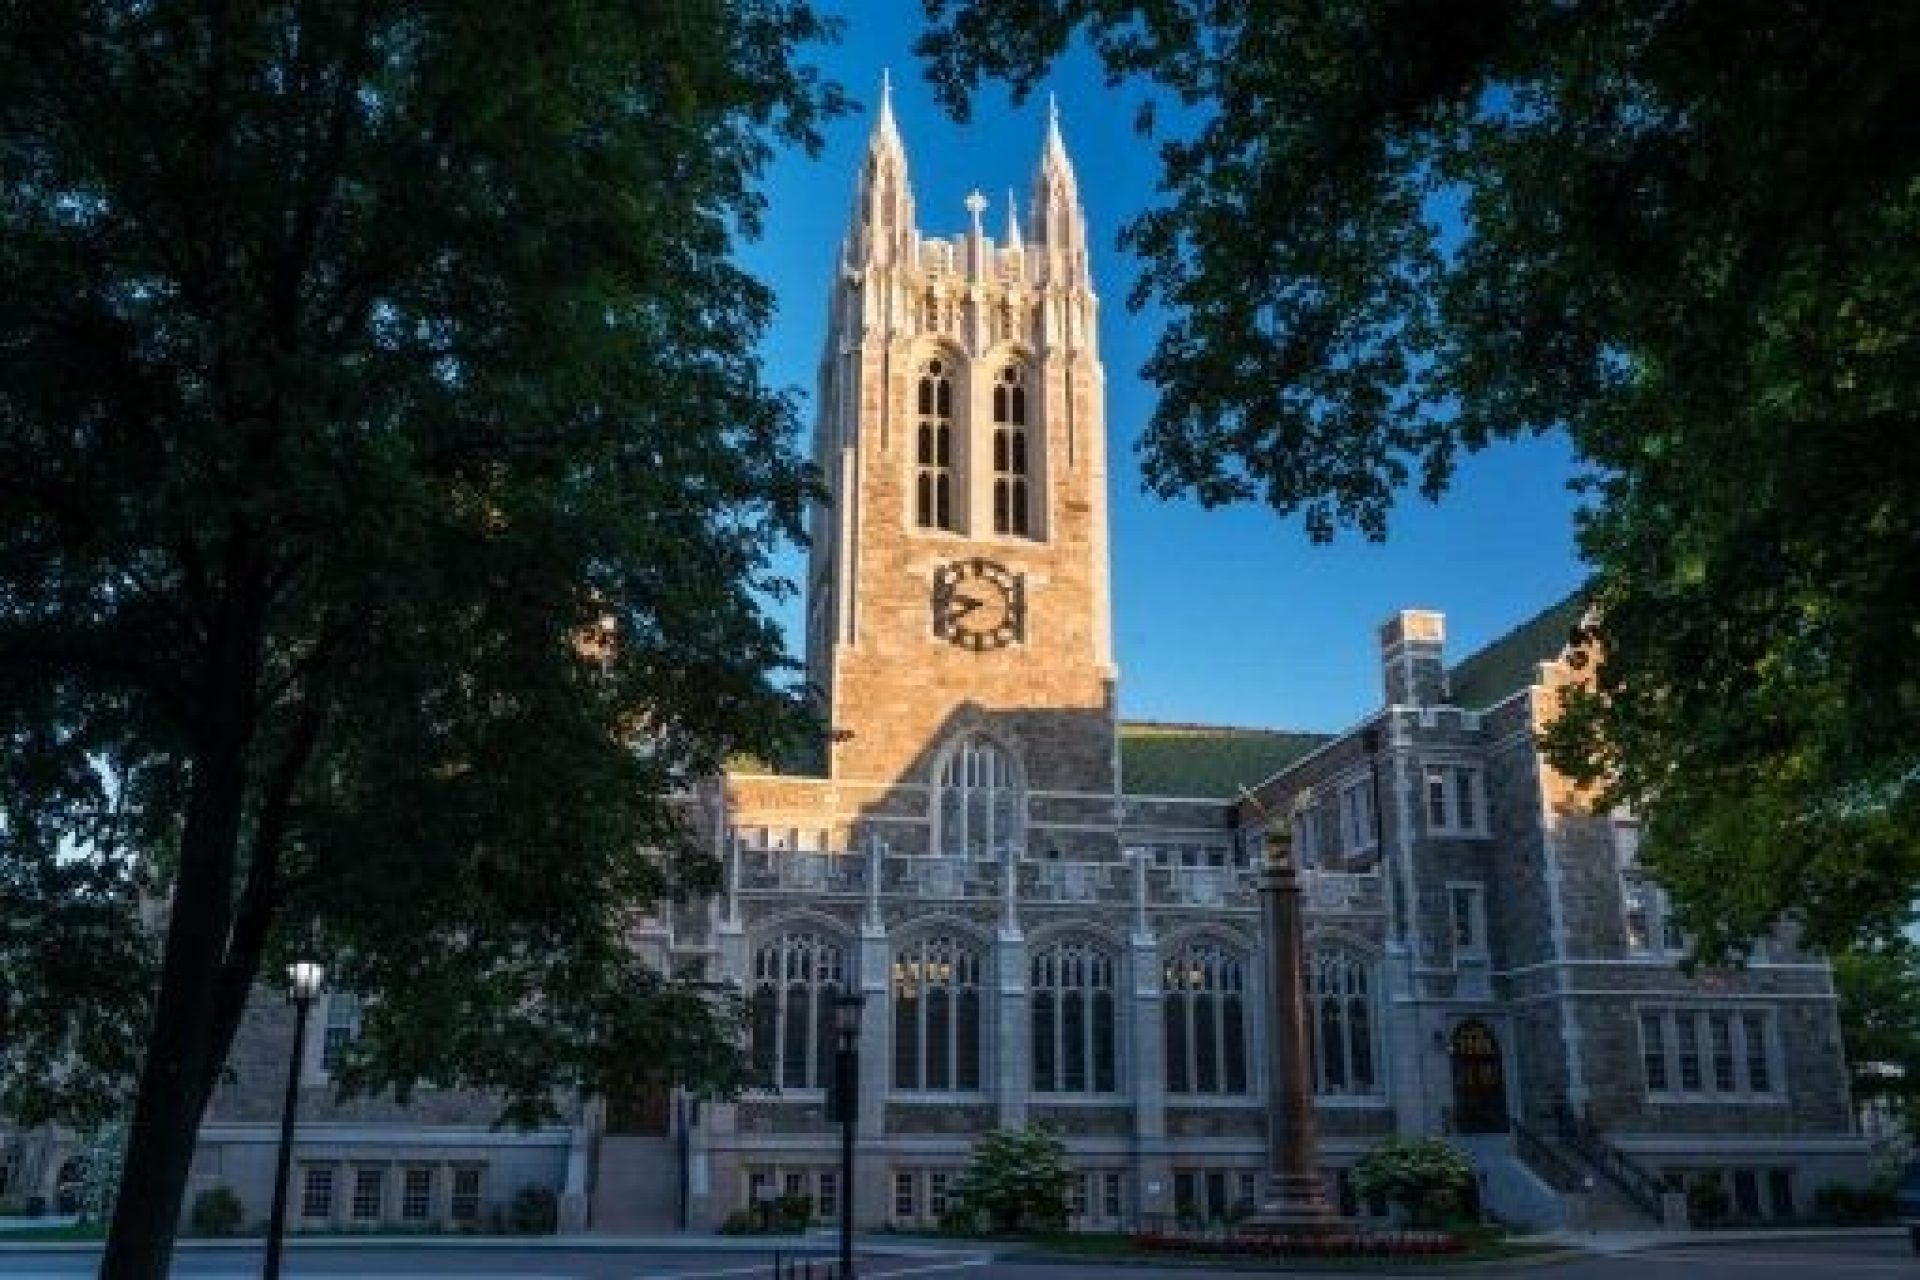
{"x": 1614, "y": 1242}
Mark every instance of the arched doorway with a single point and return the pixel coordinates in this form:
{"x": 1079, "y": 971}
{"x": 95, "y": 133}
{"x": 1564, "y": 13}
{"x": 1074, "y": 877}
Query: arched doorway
{"x": 1479, "y": 1079}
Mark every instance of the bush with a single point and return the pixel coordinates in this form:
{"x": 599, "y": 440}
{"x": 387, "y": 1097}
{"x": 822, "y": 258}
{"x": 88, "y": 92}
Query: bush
{"x": 1017, "y": 1182}
{"x": 535, "y": 1211}
{"x": 1707, "y": 1202}
{"x": 216, "y": 1212}
{"x": 793, "y": 1212}
{"x": 1427, "y": 1178}
{"x": 737, "y": 1223}
{"x": 1854, "y": 1206}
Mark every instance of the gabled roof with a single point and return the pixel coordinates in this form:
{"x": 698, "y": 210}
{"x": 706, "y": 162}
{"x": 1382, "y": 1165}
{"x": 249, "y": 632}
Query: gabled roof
{"x": 1507, "y": 664}
{"x": 1204, "y": 760}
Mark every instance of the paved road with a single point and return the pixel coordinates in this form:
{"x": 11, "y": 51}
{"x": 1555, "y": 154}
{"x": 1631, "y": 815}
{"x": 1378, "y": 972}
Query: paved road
{"x": 1880, "y": 1258}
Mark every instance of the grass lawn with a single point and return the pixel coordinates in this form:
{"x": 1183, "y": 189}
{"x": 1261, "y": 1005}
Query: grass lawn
{"x": 65, "y": 1231}
{"x": 1481, "y": 1248}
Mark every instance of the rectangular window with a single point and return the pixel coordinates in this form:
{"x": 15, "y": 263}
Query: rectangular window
{"x": 1248, "y": 1199}
{"x": 827, "y": 1201}
{"x": 1653, "y": 1051}
{"x": 1720, "y": 1039}
{"x": 1454, "y": 801}
{"x": 1467, "y": 903}
{"x": 1110, "y": 1196}
{"x": 316, "y": 1193}
{"x": 1687, "y": 1035}
{"x": 793, "y": 1182}
{"x": 369, "y": 1194}
{"x": 1710, "y": 1053}
{"x": 1356, "y": 817}
{"x": 464, "y": 1204}
{"x": 906, "y": 1205}
{"x": 1753, "y": 1027}
{"x": 1438, "y": 816}
{"x": 1466, "y": 804}
{"x": 1186, "y": 1194}
{"x": 1746, "y": 1193}
{"x": 937, "y": 1194}
{"x": 1636, "y": 914}
{"x": 343, "y": 1027}
{"x": 416, "y": 1195}
{"x": 1077, "y": 1195}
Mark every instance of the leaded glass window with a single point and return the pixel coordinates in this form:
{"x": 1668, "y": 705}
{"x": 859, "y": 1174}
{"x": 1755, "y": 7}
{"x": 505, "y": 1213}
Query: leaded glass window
{"x": 1072, "y": 1000}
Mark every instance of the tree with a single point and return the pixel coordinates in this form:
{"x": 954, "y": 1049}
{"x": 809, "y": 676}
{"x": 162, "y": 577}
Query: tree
{"x": 387, "y": 480}
{"x": 1016, "y": 1180}
{"x": 1682, "y": 233}
{"x": 1879, "y": 989}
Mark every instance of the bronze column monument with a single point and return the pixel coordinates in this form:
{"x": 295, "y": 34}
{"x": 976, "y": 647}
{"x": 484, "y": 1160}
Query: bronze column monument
{"x": 1295, "y": 1199}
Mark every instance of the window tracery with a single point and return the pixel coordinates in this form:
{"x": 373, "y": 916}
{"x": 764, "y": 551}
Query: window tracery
{"x": 1340, "y": 1008}
{"x": 1010, "y": 463}
{"x": 981, "y": 808}
{"x": 936, "y": 1015}
{"x": 795, "y": 979}
{"x": 1204, "y": 997}
{"x": 933, "y": 447}
{"x": 1073, "y": 1007}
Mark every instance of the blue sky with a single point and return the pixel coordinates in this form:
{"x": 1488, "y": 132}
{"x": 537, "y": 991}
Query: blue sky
{"x": 1228, "y": 616}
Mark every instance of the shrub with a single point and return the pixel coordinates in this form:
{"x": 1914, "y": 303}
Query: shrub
{"x": 1707, "y": 1201}
{"x": 216, "y": 1212}
{"x": 1427, "y": 1178}
{"x": 737, "y": 1223}
{"x": 793, "y": 1212}
{"x": 1017, "y": 1182}
{"x": 535, "y": 1211}
{"x": 1854, "y": 1206}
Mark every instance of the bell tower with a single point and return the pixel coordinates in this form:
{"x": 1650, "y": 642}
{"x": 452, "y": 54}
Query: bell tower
{"x": 958, "y": 578}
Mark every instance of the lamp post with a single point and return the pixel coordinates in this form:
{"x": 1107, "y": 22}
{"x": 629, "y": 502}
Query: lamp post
{"x": 846, "y": 1109}
{"x": 304, "y": 980}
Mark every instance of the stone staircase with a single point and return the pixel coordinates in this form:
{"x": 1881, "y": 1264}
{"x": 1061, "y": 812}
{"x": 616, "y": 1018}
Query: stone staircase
{"x": 636, "y": 1188}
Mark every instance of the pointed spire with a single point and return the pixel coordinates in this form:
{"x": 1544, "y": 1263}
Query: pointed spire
{"x": 885, "y": 132}
{"x": 1013, "y": 221}
{"x": 1056, "y": 150}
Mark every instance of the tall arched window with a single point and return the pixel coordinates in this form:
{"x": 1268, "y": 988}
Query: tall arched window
{"x": 933, "y": 448}
{"x": 795, "y": 978}
{"x": 980, "y": 805}
{"x": 1341, "y": 1013}
{"x": 936, "y": 1015}
{"x": 1205, "y": 990}
{"x": 1073, "y": 1020}
{"x": 1010, "y": 494}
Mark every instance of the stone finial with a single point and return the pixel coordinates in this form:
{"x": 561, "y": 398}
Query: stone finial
{"x": 1013, "y": 221}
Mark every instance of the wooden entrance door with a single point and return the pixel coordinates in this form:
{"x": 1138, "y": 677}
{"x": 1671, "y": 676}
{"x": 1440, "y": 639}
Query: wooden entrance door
{"x": 640, "y": 1107}
{"x": 1479, "y": 1079}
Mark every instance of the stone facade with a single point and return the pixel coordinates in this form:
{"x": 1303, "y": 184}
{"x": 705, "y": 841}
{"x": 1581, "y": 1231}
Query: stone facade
{"x": 1037, "y": 942}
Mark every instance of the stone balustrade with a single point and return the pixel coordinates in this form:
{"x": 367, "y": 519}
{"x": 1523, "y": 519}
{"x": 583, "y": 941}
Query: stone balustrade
{"x": 1117, "y": 881}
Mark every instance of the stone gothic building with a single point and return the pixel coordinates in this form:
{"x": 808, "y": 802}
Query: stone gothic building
{"x": 1051, "y": 913}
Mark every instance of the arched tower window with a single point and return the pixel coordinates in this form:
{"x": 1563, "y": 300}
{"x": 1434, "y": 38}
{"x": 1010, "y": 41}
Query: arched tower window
{"x": 981, "y": 810}
{"x": 933, "y": 448}
{"x": 1010, "y": 471}
{"x": 1073, "y": 1020}
{"x": 936, "y": 1015}
{"x": 1204, "y": 997}
{"x": 795, "y": 978}
{"x": 1340, "y": 1011}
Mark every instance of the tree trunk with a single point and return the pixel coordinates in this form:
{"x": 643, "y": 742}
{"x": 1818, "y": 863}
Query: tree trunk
{"x": 191, "y": 1032}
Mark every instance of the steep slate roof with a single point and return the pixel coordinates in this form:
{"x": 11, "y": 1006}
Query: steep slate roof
{"x": 1508, "y": 663}
{"x": 1198, "y": 760}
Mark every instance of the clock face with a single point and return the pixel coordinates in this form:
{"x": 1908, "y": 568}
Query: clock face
{"x": 978, "y": 604}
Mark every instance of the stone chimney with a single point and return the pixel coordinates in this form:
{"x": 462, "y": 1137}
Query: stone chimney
{"x": 1413, "y": 665}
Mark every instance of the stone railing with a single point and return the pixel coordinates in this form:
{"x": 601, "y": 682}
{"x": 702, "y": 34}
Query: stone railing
{"x": 1342, "y": 892}
{"x": 1225, "y": 887}
{"x": 788, "y": 869}
{"x": 1076, "y": 882}
{"x": 935, "y": 877}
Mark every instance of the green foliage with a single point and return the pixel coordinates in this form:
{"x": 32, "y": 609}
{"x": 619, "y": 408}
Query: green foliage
{"x": 1425, "y": 1176}
{"x": 1879, "y": 990}
{"x": 1017, "y": 1181}
{"x": 216, "y": 1212}
{"x": 390, "y": 486}
{"x": 1853, "y": 1206}
{"x": 1707, "y": 1201}
{"x": 534, "y": 1211}
{"x": 1391, "y": 232}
